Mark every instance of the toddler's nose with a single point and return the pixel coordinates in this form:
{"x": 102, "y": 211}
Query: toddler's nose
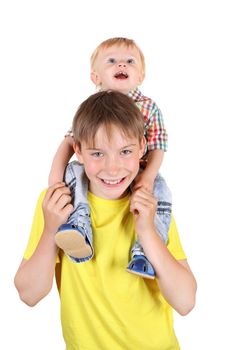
{"x": 121, "y": 64}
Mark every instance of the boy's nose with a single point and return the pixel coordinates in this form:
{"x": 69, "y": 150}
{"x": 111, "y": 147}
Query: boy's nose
{"x": 112, "y": 167}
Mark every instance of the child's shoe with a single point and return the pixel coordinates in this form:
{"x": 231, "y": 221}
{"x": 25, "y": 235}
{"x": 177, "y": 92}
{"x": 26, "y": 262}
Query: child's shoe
{"x": 141, "y": 266}
{"x": 75, "y": 237}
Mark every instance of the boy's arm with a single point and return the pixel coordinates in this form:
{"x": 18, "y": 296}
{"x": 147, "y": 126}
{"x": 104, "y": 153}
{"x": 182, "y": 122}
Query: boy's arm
{"x": 34, "y": 277}
{"x": 174, "y": 278}
{"x": 60, "y": 160}
{"x": 148, "y": 175}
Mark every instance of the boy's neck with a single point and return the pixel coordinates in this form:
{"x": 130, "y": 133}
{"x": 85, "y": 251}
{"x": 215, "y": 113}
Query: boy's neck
{"x": 124, "y": 195}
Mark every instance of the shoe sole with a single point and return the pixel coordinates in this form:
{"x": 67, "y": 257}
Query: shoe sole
{"x": 141, "y": 274}
{"x": 73, "y": 244}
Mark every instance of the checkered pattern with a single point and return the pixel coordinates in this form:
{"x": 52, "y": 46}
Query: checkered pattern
{"x": 69, "y": 133}
{"x": 155, "y": 131}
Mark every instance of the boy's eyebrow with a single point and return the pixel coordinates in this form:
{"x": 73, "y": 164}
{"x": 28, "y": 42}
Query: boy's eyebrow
{"x": 130, "y": 145}
{"x": 99, "y": 149}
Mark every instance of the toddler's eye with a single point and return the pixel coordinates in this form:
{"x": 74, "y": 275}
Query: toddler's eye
{"x": 111, "y": 60}
{"x": 130, "y": 61}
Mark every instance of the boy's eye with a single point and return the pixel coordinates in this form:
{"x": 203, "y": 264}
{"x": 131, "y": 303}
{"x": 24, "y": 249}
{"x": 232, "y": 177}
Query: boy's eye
{"x": 97, "y": 154}
{"x": 130, "y": 61}
{"x": 111, "y": 60}
{"x": 126, "y": 152}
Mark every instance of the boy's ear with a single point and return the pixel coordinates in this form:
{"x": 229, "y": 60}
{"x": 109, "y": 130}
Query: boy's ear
{"x": 78, "y": 153}
{"x": 95, "y": 78}
{"x": 142, "y": 147}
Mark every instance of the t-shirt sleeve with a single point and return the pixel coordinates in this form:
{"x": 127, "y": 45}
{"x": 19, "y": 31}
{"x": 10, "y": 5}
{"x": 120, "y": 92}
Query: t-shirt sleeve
{"x": 174, "y": 244}
{"x": 36, "y": 228}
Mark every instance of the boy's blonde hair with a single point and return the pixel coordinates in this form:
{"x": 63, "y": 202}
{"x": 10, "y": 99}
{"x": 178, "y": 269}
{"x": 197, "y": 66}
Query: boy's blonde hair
{"x": 128, "y": 43}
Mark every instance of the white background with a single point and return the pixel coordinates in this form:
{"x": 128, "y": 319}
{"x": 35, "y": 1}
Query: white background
{"x": 44, "y": 75}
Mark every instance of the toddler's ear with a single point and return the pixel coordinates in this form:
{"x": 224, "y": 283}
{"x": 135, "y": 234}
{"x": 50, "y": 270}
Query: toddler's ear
{"x": 141, "y": 78}
{"x": 95, "y": 78}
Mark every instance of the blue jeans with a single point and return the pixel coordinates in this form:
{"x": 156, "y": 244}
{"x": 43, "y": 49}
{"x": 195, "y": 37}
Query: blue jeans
{"x": 162, "y": 217}
{"x": 77, "y": 181}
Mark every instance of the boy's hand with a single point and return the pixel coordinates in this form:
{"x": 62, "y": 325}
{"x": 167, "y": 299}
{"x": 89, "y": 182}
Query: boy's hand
{"x": 56, "y": 207}
{"x": 143, "y": 206}
{"x": 144, "y": 180}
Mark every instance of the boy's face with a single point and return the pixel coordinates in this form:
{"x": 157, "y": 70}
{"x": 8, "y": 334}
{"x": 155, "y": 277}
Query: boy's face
{"x": 112, "y": 164}
{"x": 118, "y": 68}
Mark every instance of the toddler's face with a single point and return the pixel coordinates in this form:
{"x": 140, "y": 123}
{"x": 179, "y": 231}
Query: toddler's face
{"x": 118, "y": 68}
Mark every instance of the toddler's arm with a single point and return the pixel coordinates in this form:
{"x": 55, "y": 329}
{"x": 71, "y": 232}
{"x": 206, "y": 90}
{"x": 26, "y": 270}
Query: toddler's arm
{"x": 147, "y": 177}
{"x": 156, "y": 136}
{"x": 60, "y": 160}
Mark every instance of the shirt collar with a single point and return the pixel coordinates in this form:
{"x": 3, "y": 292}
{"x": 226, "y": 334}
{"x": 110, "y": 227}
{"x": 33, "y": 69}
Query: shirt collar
{"x": 135, "y": 94}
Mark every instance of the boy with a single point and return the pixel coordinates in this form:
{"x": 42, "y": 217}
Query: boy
{"x": 116, "y": 64}
{"x": 102, "y": 307}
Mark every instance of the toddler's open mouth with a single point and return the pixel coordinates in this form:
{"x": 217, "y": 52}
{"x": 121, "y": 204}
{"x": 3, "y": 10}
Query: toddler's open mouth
{"x": 121, "y": 75}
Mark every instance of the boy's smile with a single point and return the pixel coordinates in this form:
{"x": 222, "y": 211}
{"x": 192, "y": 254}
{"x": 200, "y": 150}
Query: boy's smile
{"x": 112, "y": 163}
{"x": 112, "y": 182}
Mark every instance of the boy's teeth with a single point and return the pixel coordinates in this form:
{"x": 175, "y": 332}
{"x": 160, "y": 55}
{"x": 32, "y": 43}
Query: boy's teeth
{"x": 112, "y": 182}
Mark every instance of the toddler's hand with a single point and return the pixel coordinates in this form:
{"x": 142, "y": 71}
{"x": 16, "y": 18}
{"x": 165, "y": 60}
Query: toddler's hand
{"x": 142, "y": 180}
{"x": 56, "y": 207}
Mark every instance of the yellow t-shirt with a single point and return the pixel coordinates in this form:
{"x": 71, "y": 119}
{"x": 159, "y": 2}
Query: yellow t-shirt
{"x": 103, "y": 307}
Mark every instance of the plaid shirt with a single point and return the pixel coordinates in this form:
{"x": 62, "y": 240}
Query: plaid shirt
{"x": 155, "y": 132}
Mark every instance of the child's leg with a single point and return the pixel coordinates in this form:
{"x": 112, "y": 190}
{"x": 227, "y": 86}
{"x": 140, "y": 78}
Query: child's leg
{"x": 164, "y": 207}
{"x": 75, "y": 237}
{"x": 139, "y": 264}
